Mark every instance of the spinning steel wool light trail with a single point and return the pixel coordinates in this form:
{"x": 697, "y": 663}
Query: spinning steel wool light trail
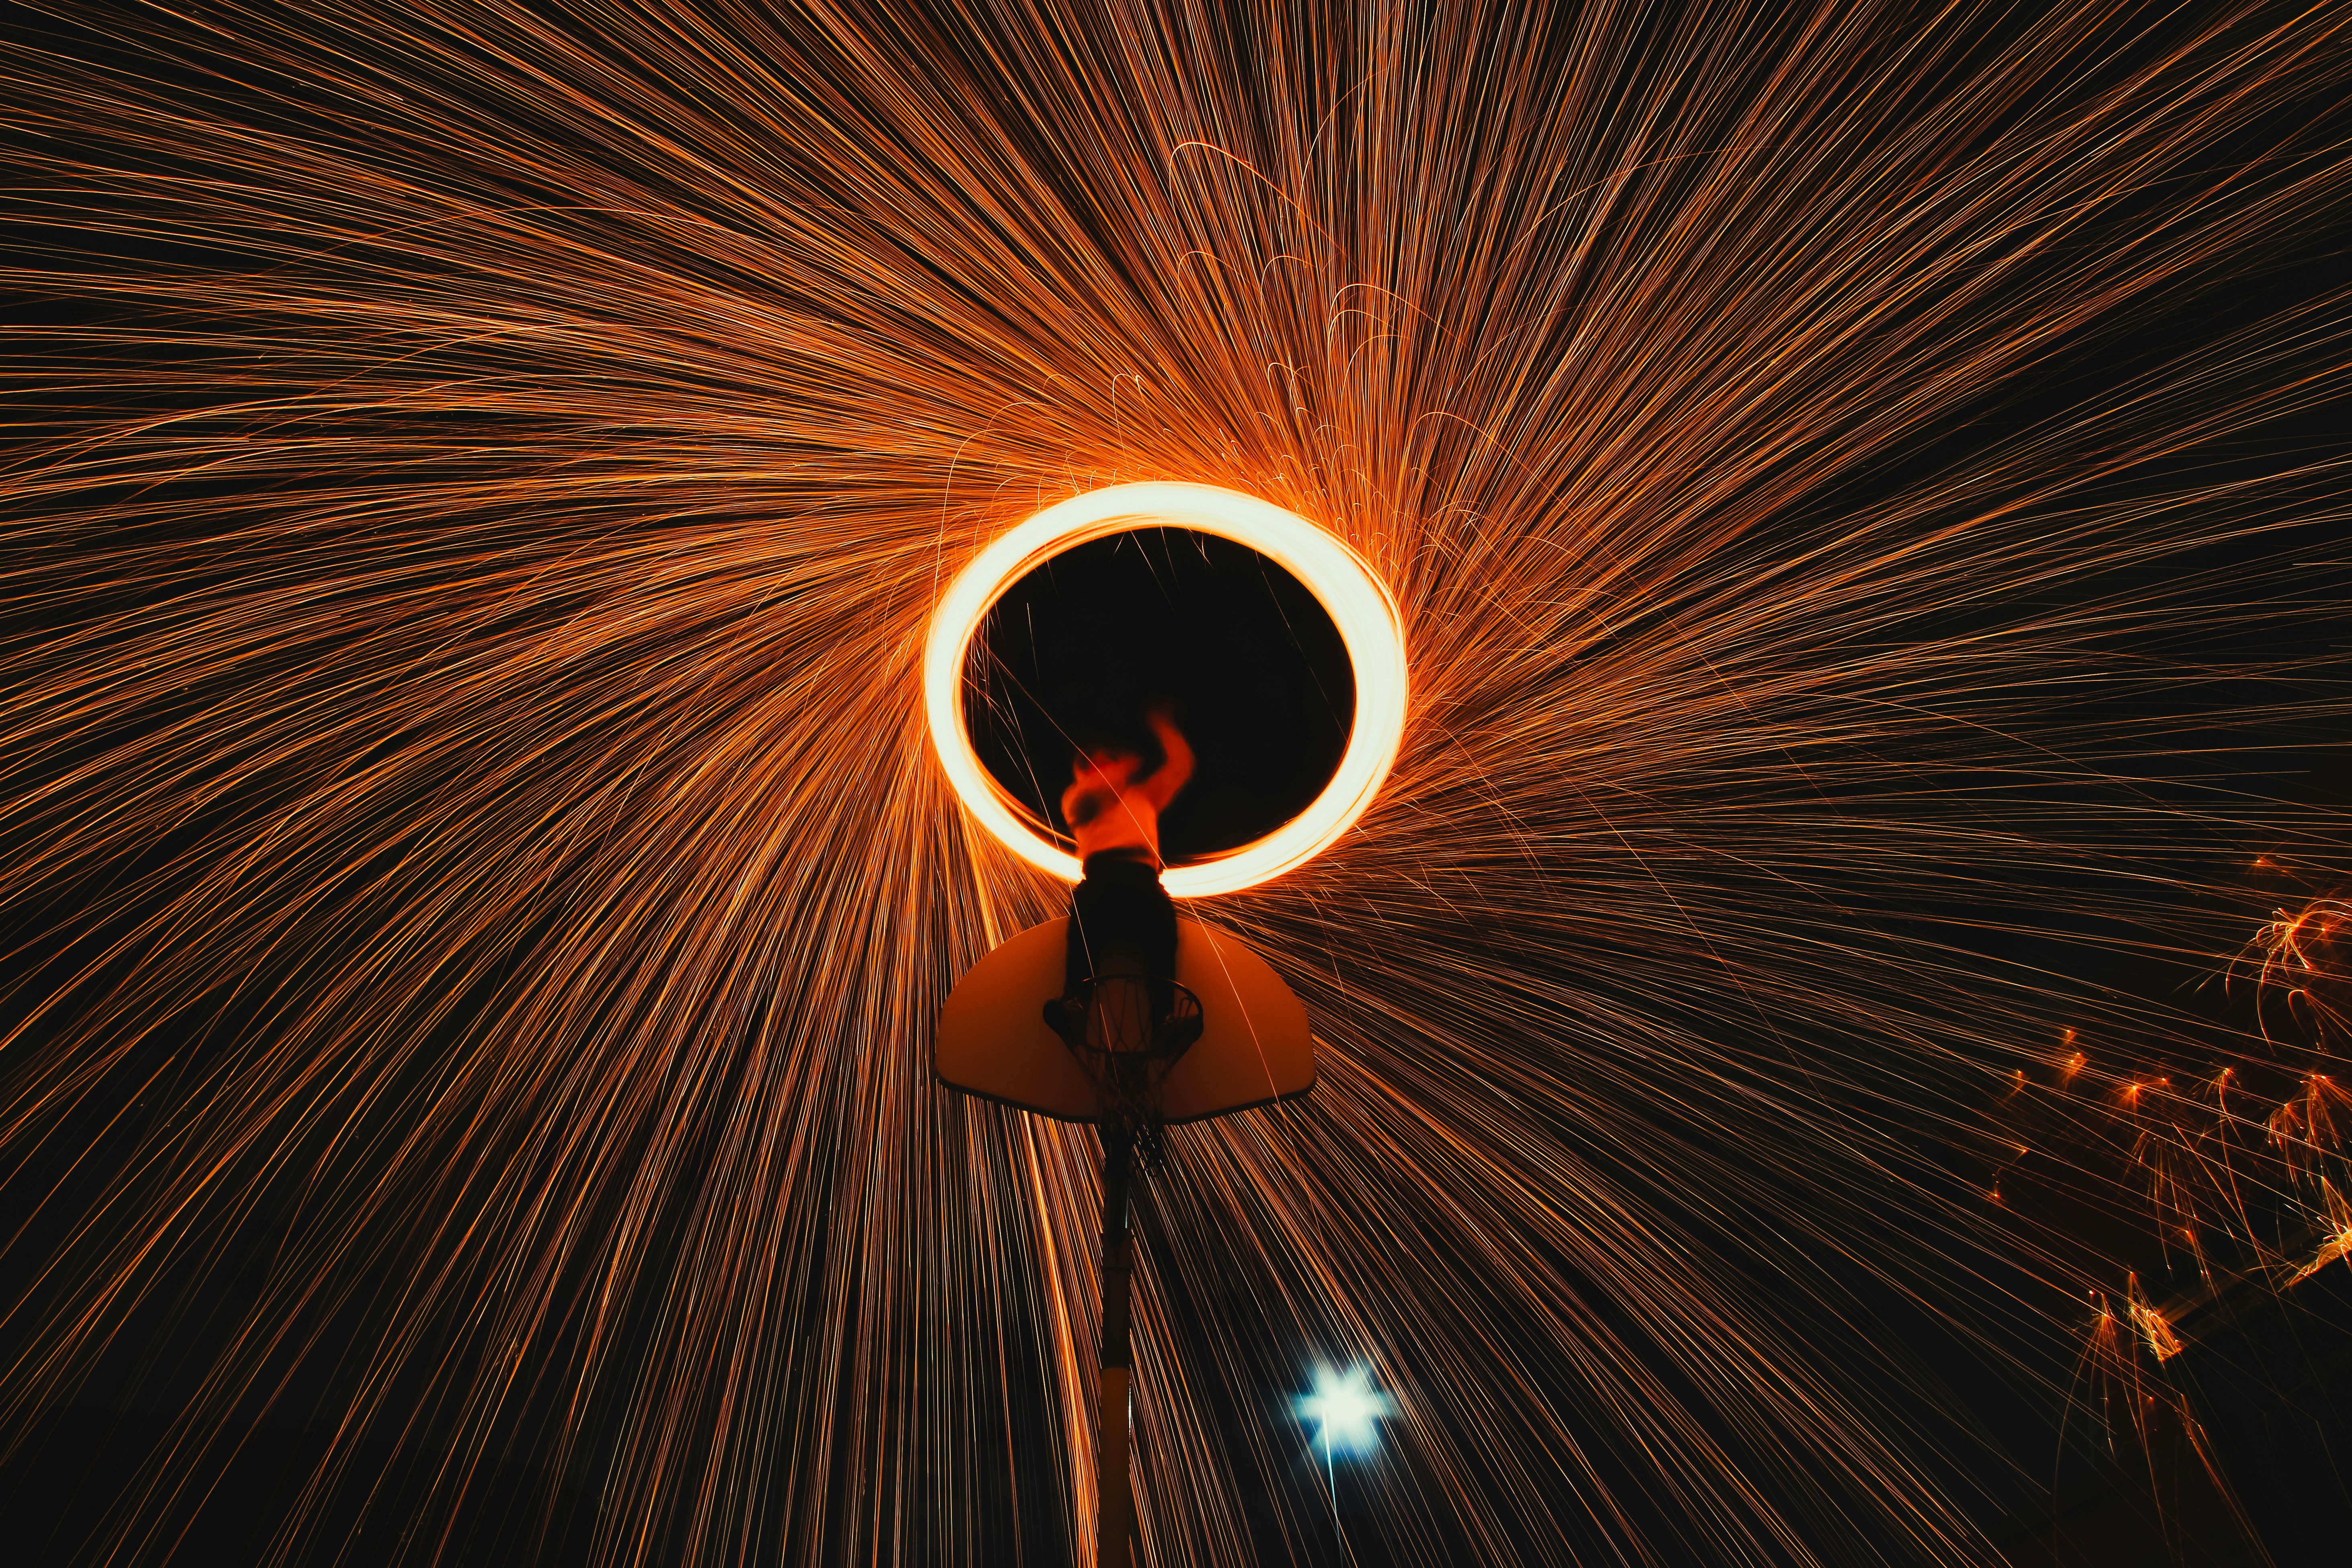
{"x": 483, "y": 887}
{"x": 1366, "y": 620}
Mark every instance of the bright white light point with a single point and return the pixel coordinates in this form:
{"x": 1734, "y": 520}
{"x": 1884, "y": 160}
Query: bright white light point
{"x": 1358, "y": 603}
{"x": 1344, "y": 1406}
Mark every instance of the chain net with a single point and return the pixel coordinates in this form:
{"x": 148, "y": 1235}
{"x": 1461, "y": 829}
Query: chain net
{"x": 1128, "y": 1031}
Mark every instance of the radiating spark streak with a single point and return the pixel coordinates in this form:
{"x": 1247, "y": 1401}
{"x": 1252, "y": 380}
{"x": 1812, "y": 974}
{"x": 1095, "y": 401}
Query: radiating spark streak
{"x": 2162, "y": 1343}
{"x": 2338, "y": 1243}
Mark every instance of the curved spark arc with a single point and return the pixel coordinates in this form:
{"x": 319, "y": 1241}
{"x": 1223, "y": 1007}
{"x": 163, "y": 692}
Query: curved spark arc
{"x": 1360, "y": 607}
{"x": 469, "y": 778}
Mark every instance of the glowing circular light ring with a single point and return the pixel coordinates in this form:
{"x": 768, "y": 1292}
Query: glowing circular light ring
{"x": 1356, "y": 600}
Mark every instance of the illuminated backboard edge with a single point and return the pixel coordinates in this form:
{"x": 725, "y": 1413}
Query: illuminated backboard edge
{"x": 1255, "y": 1047}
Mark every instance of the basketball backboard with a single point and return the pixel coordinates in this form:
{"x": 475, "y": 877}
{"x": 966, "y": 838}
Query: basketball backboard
{"x": 1254, "y": 1046}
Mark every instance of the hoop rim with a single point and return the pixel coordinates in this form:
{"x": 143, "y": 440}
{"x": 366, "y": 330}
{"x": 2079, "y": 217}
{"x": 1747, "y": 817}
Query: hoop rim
{"x": 1180, "y": 995}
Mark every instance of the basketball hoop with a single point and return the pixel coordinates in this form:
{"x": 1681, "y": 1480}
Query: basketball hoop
{"x": 1131, "y": 1054}
{"x": 1252, "y": 1045}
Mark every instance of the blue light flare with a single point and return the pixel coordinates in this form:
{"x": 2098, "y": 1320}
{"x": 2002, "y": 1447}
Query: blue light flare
{"x": 1344, "y": 1406}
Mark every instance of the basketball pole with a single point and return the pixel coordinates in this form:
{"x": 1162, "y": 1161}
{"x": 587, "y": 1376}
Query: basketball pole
{"x": 1114, "y": 1498}
{"x": 1096, "y": 1053}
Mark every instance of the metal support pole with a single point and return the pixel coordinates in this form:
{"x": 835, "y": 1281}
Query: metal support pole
{"x": 1114, "y": 1496}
